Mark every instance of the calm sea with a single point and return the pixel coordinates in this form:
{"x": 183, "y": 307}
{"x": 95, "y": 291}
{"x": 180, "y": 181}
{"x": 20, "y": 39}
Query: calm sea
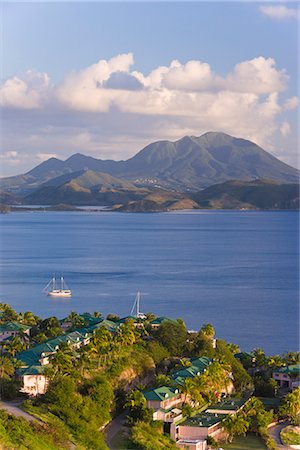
{"x": 237, "y": 270}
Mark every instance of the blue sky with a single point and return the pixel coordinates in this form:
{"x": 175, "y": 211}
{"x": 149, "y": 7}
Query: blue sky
{"x": 245, "y": 76}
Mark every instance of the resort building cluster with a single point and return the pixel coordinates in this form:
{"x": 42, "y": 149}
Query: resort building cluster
{"x": 166, "y": 402}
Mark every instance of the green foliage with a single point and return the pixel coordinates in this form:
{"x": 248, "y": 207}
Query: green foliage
{"x": 149, "y": 436}
{"x": 136, "y": 404}
{"x": 264, "y": 388}
{"x": 113, "y": 317}
{"x": 291, "y": 406}
{"x": 49, "y": 327}
{"x": 173, "y": 337}
{"x": 212, "y": 442}
{"x": 157, "y": 351}
{"x": 242, "y": 379}
{"x": 16, "y": 433}
{"x": 200, "y": 344}
{"x": 187, "y": 410}
{"x": 208, "y": 330}
{"x": 235, "y": 425}
{"x": 162, "y": 380}
{"x": 291, "y": 358}
{"x": 289, "y": 436}
{"x": 83, "y": 412}
{"x": 8, "y": 314}
{"x": 269, "y": 442}
{"x": 258, "y": 417}
{"x": 260, "y": 357}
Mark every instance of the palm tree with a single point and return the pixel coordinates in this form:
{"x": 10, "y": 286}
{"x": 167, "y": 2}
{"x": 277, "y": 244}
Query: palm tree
{"x": 6, "y": 370}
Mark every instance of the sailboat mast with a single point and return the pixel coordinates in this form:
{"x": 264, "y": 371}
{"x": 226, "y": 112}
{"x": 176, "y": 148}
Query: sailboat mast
{"x": 138, "y": 303}
{"x": 61, "y": 283}
{"x": 53, "y": 282}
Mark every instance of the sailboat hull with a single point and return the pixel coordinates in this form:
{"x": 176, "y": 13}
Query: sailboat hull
{"x": 60, "y": 293}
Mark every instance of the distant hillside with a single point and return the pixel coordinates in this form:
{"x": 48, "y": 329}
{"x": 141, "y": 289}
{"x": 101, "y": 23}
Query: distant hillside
{"x": 257, "y": 194}
{"x": 85, "y": 188}
{"x": 189, "y": 164}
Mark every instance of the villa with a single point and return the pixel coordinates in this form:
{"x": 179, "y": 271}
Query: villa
{"x": 34, "y": 360}
{"x": 11, "y": 329}
{"x": 192, "y": 433}
{"x": 166, "y": 403}
{"x": 288, "y": 377}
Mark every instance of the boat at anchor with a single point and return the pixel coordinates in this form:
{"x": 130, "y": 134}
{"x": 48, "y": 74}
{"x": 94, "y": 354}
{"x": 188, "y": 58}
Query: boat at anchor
{"x": 57, "y": 289}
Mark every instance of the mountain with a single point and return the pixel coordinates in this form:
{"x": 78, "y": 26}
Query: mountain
{"x": 257, "y": 194}
{"x": 85, "y": 188}
{"x": 197, "y": 162}
{"x": 189, "y": 164}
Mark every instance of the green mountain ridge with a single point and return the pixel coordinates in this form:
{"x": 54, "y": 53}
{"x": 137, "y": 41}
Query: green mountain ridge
{"x": 188, "y": 164}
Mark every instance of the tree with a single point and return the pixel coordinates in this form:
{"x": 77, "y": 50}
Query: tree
{"x": 235, "y": 425}
{"x": 28, "y": 318}
{"x": 136, "y": 403}
{"x": 6, "y": 371}
{"x": 208, "y": 330}
{"x": 241, "y": 378}
{"x": 7, "y": 313}
{"x": 260, "y": 357}
{"x": 113, "y": 317}
{"x": 258, "y": 417}
{"x": 162, "y": 380}
{"x": 172, "y": 336}
{"x": 291, "y": 406}
{"x": 15, "y": 345}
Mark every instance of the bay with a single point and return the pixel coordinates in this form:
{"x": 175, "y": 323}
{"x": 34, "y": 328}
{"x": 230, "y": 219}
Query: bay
{"x": 235, "y": 269}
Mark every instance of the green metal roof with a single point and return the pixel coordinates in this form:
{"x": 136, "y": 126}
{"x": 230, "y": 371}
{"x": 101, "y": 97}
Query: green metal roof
{"x": 123, "y": 319}
{"x": 32, "y": 370}
{"x": 160, "y": 320}
{"x": 291, "y": 370}
{"x": 187, "y": 372}
{"x": 13, "y": 326}
{"x": 229, "y": 404}
{"x": 204, "y": 420}
{"x": 161, "y": 393}
{"x": 202, "y": 362}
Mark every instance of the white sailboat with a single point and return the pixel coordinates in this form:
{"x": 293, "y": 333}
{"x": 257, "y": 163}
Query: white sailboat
{"x": 136, "y": 307}
{"x": 57, "y": 289}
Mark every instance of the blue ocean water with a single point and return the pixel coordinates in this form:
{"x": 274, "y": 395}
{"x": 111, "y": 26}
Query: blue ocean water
{"x": 238, "y": 270}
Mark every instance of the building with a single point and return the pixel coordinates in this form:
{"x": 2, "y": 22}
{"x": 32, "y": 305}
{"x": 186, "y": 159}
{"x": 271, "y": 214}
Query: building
{"x": 193, "y": 432}
{"x": 156, "y": 323}
{"x": 32, "y": 371}
{"x": 198, "y": 428}
{"x": 166, "y": 403}
{"x": 11, "y": 329}
{"x": 198, "y": 366}
{"x": 288, "y": 377}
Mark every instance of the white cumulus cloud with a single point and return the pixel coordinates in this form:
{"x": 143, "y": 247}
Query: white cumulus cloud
{"x": 92, "y": 108}
{"x": 279, "y": 12}
{"x": 285, "y": 129}
{"x": 26, "y": 91}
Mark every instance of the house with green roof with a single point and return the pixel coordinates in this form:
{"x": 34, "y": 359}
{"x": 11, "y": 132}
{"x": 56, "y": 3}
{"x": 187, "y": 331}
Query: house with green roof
{"x": 288, "y": 376}
{"x": 197, "y": 367}
{"x": 195, "y": 430}
{"x": 166, "y": 403}
{"x": 87, "y": 318}
{"x": 192, "y": 432}
{"x": 11, "y": 329}
{"x": 156, "y": 323}
{"x": 34, "y": 381}
{"x": 34, "y": 360}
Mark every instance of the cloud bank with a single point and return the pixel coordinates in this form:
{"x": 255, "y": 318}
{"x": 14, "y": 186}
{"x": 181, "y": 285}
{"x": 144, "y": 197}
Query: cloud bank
{"x": 110, "y": 110}
{"x": 279, "y": 12}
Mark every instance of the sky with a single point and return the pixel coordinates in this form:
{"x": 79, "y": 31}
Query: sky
{"x": 107, "y": 78}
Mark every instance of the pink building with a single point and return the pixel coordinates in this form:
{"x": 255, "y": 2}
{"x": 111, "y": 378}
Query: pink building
{"x": 288, "y": 377}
